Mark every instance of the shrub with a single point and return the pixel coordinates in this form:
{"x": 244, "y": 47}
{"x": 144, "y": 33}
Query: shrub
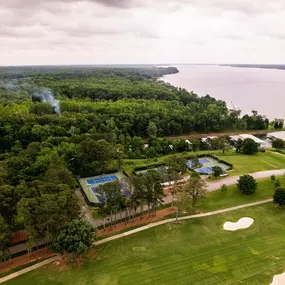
{"x": 277, "y": 184}
{"x": 279, "y": 197}
{"x": 224, "y": 188}
{"x": 247, "y": 184}
{"x": 278, "y": 144}
{"x": 272, "y": 177}
{"x": 217, "y": 171}
{"x": 249, "y": 147}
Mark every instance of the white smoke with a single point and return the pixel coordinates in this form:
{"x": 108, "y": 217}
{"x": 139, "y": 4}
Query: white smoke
{"x": 46, "y": 96}
{"x": 40, "y": 94}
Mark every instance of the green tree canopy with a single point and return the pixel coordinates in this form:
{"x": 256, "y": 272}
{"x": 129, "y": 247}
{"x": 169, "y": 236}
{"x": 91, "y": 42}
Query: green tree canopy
{"x": 249, "y": 147}
{"x": 76, "y": 239}
{"x": 247, "y": 184}
{"x": 279, "y": 144}
{"x": 279, "y": 196}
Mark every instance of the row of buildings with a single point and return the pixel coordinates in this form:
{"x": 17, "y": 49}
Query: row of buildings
{"x": 263, "y": 143}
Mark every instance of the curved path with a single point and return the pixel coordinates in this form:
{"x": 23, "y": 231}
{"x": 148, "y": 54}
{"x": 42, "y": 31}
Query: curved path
{"x": 213, "y": 186}
{"x": 28, "y": 269}
{"x": 131, "y": 232}
{"x": 152, "y": 225}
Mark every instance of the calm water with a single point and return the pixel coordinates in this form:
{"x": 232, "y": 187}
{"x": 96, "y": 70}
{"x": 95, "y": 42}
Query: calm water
{"x": 246, "y": 88}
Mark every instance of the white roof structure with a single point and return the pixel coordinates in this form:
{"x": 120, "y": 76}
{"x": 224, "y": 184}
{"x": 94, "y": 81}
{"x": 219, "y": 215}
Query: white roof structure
{"x": 247, "y": 136}
{"x": 256, "y": 139}
{"x": 208, "y": 138}
{"x": 235, "y": 138}
{"x": 277, "y": 135}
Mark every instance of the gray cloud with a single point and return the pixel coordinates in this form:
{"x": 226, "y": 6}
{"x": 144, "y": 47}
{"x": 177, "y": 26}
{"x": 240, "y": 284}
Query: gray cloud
{"x": 67, "y": 31}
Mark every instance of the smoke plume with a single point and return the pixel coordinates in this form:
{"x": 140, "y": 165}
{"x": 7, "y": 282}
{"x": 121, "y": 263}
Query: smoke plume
{"x": 45, "y": 95}
{"x": 39, "y": 94}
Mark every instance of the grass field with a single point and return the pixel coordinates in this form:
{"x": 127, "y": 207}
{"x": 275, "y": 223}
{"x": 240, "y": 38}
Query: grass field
{"x": 241, "y": 163}
{"x": 196, "y": 252}
{"x": 252, "y": 163}
{"x": 232, "y": 197}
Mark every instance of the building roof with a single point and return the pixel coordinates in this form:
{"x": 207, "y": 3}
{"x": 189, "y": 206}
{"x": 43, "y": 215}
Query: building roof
{"x": 208, "y": 138}
{"x": 247, "y": 136}
{"x": 256, "y": 139}
{"x": 277, "y": 135}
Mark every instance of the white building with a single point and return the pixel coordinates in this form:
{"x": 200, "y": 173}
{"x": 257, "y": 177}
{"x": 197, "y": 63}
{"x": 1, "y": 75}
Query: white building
{"x": 260, "y": 142}
{"x": 277, "y": 135}
{"x": 208, "y": 138}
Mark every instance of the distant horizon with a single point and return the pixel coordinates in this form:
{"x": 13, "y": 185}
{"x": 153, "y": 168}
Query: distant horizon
{"x": 143, "y": 64}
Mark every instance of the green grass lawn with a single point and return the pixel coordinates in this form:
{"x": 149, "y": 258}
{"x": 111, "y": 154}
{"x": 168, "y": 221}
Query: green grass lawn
{"x": 196, "y": 252}
{"x": 252, "y": 163}
{"x": 242, "y": 163}
{"x": 232, "y": 197}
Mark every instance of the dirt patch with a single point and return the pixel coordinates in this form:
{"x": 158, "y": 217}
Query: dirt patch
{"x": 146, "y": 219}
{"x": 25, "y": 259}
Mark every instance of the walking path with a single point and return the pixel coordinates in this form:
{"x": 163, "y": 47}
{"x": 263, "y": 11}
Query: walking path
{"x": 152, "y": 225}
{"x": 213, "y": 186}
{"x": 23, "y": 271}
{"x": 149, "y": 226}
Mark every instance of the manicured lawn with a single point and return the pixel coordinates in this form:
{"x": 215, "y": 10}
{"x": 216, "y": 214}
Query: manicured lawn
{"x": 232, "y": 197}
{"x": 196, "y": 252}
{"x": 252, "y": 163}
{"x": 242, "y": 163}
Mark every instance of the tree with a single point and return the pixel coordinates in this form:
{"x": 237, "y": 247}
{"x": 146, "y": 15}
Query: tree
{"x": 196, "y": 187}
{"x": 59, "y": 174}
{"x": 249, "y": 147}
{"x": 8, "y": 204}
{"x": 195, "y": 162}
{"x": 239, "y": 145}
{"x": 277, "y": 123}
{"x": 277, "y": 184}
{"x": 183, "y": 201}
{"x": 217, "y": 171}
{"x": 76, "y": 239}
{"x": 224, "y": 188}
{"x": 278, "y": 144}
{"x": 153, "y": 190}
{"x": 223, "y": 143}
{"x": 247, "y": 184}
{"x": 151, "y": 129}
{"x": 5, "y": 240}
{"x": 110, "y": 197}
{"x": 279, "y": 196}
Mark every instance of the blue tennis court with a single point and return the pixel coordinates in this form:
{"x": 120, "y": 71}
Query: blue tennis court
{"x": 102, "y": 180}
{"x": 204, "y": 170}
{"x": 201, "y": 160}
{"x": 204, "y": 160}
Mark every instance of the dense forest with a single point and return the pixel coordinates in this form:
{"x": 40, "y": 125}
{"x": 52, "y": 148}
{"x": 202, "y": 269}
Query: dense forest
{"x": 59, "y": 122}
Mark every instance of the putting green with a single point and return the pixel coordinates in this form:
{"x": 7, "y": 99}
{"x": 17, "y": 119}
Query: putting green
{"x": 192, "y": 252}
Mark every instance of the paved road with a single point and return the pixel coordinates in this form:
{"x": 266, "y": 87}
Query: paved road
{"x": 212, "y": 186}
{"x": 131, "y": 232}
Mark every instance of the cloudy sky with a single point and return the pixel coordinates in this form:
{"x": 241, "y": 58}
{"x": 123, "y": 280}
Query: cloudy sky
{"x": 141, "y": 31}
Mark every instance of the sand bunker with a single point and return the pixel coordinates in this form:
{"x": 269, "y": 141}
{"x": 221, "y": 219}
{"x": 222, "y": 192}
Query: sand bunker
{"x": 278, "y": 279}
{"x": 242, "y": 223}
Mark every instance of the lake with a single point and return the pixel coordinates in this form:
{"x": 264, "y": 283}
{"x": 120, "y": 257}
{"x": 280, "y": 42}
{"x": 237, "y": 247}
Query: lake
{"x": 247, "y": 89}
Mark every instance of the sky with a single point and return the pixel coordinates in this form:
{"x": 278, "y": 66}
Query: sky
{"x": 54, "y": 32}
